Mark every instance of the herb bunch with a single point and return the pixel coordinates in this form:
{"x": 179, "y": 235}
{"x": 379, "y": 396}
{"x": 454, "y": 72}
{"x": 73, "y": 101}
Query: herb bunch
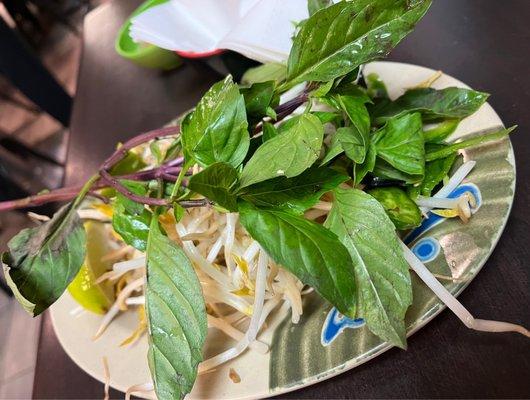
{"x": 241, "y": 151}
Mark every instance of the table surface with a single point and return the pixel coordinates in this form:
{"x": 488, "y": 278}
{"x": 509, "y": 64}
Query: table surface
{"x": 477, "y": 41}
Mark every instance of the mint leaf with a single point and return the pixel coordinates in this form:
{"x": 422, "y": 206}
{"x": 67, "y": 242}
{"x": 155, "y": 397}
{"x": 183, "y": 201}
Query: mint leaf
{"x": 381, "y": 272}
{"x": 294, "y": 194}
{"x": 291, "y": 152}
{"x": 384, "y": 170}
{"x": 401, "y": 210}
{"x": 176, "y": 315}
{"x": 433, "y": 104}
{"x": 400, "y": 143}
{"x": 339, "y": 38}
{"x": 308, "y": 250}
{"x": 42, "y": 261}
{"x": 217, "y": 183}
{"x": 216, "y": 131}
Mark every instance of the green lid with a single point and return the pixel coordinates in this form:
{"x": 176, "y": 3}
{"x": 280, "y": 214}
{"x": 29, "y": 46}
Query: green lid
{"x": 143, "y": 54}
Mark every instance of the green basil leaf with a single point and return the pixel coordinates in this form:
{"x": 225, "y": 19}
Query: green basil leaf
{"x": 269, "y": 131}
{"x": 400, "y": 143}
{"x": 217, "y": 183}
{"x": 314, "y": 5}
{"x": 176, "y": 315}
{"x": 355, "y": 109}
{"x": 354, "y": 143}
{"x": 132, "y": 162}
{"x": 403, "y": 212}
{"x": 361, "y": 170}
{"x": 376, "y": 88}
{"x": 308, "y": 250}
{"x": 334, "y": 149}
{"x": 441, "y": 132}
{"x": 132, "y": 227}
{"x": 431, "y": 103}
{"x": 173, "y": 150}
{"x": 136, "y": 187}
{"x": 294, "y": 194}
{"x": 446, "y": 150}
{"x": 384, "y": 170}
{"x": 42, "y": 261}
{"x": 339, "y": 38}
{"x": 354, "y": 139}
{"x": 381, "y": 272}
{"x": 435, "y": 172}
{"x": 258, "y": 98}
{"x": 157, "y": 152}
{"x": 216, "y": 131}
{"x": 267, "y": 72}
{"x": 291, "y": 152}
{"x": 322, "y": 90}
{"x": 326, "y": 116}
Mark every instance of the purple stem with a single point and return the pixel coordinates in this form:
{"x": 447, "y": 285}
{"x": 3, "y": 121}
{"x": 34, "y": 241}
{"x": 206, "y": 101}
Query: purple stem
{"x": 136, "y": 141}
{"x": 113, "y": 182}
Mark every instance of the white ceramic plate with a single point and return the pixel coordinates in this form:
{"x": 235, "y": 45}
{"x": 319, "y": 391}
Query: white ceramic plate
{"x": 298, "y": 357}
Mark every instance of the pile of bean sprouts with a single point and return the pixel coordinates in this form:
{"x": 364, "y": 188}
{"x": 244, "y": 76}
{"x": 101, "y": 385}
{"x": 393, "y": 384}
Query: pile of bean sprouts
{"x": 242, "y": 285}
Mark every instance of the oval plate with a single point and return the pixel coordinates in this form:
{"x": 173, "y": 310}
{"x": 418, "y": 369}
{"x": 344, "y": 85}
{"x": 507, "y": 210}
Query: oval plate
{"x": 324, "y": 344}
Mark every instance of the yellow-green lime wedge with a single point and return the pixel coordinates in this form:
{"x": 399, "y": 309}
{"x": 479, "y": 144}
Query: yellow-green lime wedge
{"x": 95, "y": 297}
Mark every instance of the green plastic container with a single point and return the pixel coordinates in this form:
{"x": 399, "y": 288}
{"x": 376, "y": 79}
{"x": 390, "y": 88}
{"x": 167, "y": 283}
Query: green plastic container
{"x": 143, "y": 54}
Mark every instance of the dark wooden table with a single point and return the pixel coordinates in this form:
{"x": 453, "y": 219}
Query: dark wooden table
{"x": 482, "y": 42}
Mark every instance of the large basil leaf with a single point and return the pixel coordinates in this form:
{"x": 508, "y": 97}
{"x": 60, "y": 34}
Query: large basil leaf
{"x": 266, "y": 72}
{"x": 218, "y": 183}
{"x": 42, "y": 261}
{"x": 339, "y": 38}
{"x": 435, "y": 172}
{"x": 216, "y": 131}
{"x": 130, "y": 219}
{"x": 381, "y": 272}
{"x": 402, "y": 211}
{"x": 442, "y": 151}
{"x": 291, "y": 152}
{"x": 433, "y": 104}
{"x": 176, "y": 314}
{"x": 308, "y": 250}
{"x": 294, "y": 194}
{"x": 400, "y": 143}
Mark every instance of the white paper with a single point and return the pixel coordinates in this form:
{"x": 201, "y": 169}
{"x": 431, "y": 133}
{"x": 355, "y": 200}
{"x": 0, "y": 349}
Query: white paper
{"x": 259, "y": 29}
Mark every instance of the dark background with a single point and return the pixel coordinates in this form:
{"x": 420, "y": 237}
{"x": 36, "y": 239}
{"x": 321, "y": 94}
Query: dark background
{"x": 486, "y": 44}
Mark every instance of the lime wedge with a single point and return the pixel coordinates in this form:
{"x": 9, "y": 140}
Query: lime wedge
{"x": 95, "y": 297}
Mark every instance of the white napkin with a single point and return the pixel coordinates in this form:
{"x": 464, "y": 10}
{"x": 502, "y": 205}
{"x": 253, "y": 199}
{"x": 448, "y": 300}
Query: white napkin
{"x": 259, "y": 29}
